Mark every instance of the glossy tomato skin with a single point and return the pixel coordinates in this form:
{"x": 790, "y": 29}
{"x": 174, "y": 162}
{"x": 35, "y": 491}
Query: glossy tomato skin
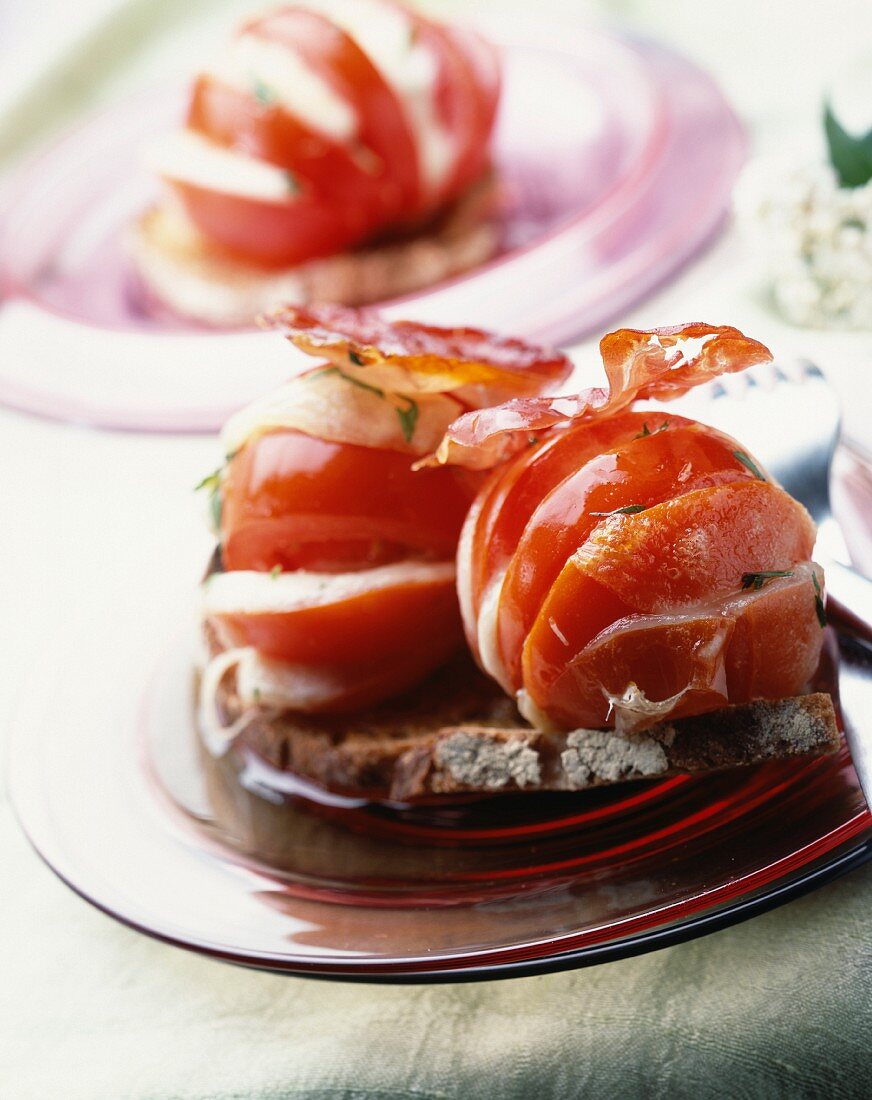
{"x": 267, "y": 132}
{"x": 341, "y": 193}
{"x": 615, "y": 556}
{"x": 293, "y": 501}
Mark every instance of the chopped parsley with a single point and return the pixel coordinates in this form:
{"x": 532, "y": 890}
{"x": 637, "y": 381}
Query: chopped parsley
{"x": 408, "y": 418}
{"x": 627, "y": 510}
{"x": 275, "y": 571}
{"x": 646, "y": 431}
{"x": 354, "y": 381}
{"x": 355, "y": 358}
{"x": 820, "y": 610}
{"x": 749, "y": 464}
{"x": 757, "y": 580}
{"x": 212, "y": 483}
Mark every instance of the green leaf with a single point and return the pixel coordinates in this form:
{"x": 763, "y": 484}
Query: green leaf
{"x": 215, "y": 509}
{"x": 275, "y": 571}
{"x": 358, "y": 360}
{"x": 749, "y": 464}
{"x": 757, "y": 580}
{"x": 850, "y": 156}
{"x": 348, "y": 378}
{"x": 820, "y": 610}
{"x": 627, "y": 510}
{"x": 210, "y": 481}
{"x": 408, "y": 419}
{"x": 646, "y": 431}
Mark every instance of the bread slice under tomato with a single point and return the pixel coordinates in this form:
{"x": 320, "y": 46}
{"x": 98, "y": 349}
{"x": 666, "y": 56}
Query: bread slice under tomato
{"x": 458, "y": 733}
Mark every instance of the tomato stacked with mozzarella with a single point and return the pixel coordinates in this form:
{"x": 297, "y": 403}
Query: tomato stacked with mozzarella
{"x": 338, "y": 579}
{"x": 329, "y": 123}
{"x": 625, "y": 567}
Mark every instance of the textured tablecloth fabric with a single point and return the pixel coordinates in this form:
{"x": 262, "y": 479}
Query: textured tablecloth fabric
{"x": 780, "y": 1006}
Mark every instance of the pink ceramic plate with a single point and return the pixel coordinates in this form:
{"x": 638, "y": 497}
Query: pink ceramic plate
{"x": 616, "y": 157}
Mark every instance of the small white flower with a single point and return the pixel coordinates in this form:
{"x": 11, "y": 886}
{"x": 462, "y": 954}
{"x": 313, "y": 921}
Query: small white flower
{"x": 814, "y": 240}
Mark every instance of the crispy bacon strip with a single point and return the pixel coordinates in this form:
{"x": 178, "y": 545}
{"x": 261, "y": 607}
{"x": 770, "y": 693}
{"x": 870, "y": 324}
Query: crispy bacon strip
{"x": 410, "y": 358}
{"x": 661, "y": 363}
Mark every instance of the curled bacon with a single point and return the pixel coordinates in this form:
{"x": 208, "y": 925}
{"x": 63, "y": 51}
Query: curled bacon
{"x": 405, "y": 357}
{"x": 661, "y": 363}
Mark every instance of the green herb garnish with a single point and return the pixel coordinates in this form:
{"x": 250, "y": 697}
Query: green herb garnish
{"x": 851, "y": 157}
{"x": 348, "y": 378}
{"x": 627, "y": 510}
{"x": 408, "y": 418}
{"x": 820, "y": 610}
{"x": 212, "y": 483}
{"x": 749, "y": 464}
{"x": 757, "y": 580}
{"x": 646, "y": 431}
{"x": 275, "y": 571}
{"x": 291, "y": 183}
{"x": 358, "y": 360}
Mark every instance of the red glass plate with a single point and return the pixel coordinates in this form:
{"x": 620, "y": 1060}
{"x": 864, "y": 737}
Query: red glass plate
{"x": 238, "y": 862}
{"x": 616, "y": 158}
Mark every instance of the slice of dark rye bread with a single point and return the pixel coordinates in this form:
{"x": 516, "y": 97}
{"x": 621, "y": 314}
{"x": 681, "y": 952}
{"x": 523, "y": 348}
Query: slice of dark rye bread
{"x": 179, "y": 268}
{"x": 458, "y": 734}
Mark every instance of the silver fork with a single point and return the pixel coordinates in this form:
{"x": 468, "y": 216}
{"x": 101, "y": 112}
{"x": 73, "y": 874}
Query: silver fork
{"x": 787, "y": 415}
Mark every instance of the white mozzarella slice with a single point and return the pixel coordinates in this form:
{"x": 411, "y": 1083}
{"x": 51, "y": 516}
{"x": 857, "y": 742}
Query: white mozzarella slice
{"x": 273, "y": 72}
{"x": 488, "y": 646}
{"x": 325, "y": 404}
{"x": 189, "y": 157}
{"x": 247, "y": 592}
{"x": 384, "y": 33}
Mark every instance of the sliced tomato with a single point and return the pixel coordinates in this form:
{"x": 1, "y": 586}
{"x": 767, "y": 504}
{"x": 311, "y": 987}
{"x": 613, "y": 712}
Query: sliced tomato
{"x": 638, "y": 473}
{"x": 466, "y": 96}
{"x": 268, "y": 132}
{"x": 347, "y": 191}
{"x": 610, "y": 558}
{"x": 384, "y": 129}
{"x": 296, "y": 502}
{"x": 272, "y": 234}
{"x": 754, "y": 644}
{"x": 387, "y": 627}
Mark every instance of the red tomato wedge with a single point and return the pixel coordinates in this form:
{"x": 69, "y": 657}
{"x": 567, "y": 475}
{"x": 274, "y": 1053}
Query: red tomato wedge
{"x": 384, "y": 134}
{"x": 635, "y": 566}
{"x": 271, "y": 234}
{"x": 360, "y": 182}
{"x": 317, "y": 166}
{"x": 321, "y": 490}
{"x": 295, "y": 502}
{"x": 360, "y": 620}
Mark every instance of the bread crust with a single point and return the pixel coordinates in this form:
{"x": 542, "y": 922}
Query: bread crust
{"x": 181, "y": 269}
{"x": 458, "y": 734}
